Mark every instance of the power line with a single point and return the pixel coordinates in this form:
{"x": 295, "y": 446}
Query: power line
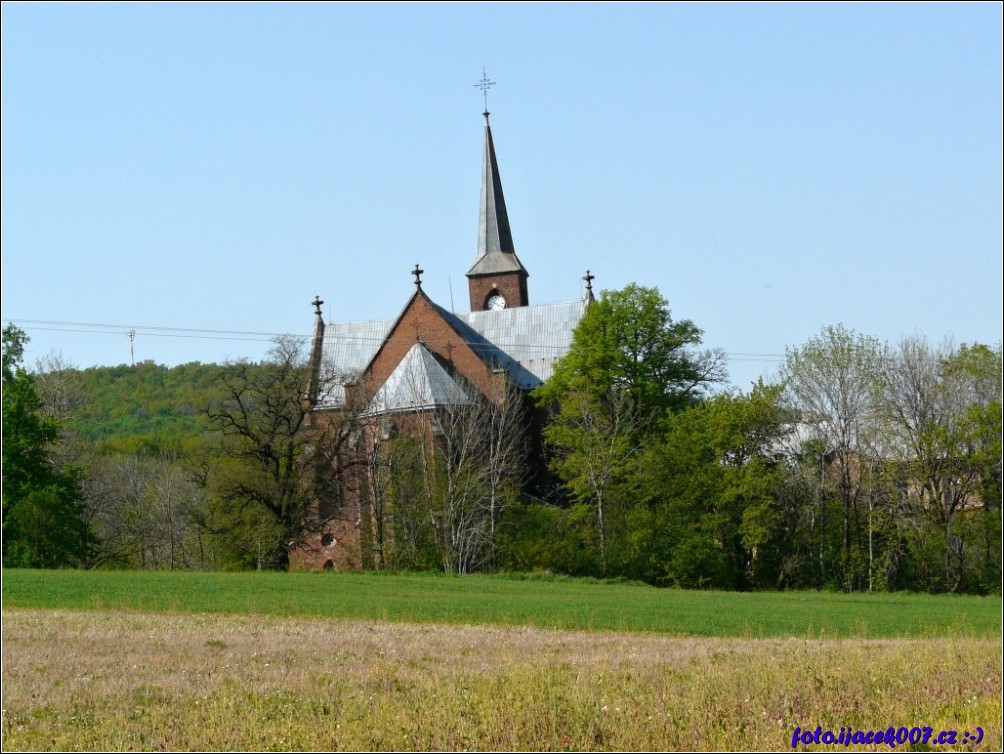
{"x": 150, "y": 334}
{"x": 105, "y": 327}
{"x": 195, "y": 333}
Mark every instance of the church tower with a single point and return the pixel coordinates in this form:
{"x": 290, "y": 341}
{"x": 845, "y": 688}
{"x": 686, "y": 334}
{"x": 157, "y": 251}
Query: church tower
{"x": 497, "y": 279}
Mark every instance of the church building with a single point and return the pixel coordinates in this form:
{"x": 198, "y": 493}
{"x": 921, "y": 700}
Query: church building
{"x": 429, "y": 358}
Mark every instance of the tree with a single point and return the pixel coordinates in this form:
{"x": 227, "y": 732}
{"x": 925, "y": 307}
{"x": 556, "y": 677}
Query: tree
{"x": 142, "y": 508}
{"x": 628, "y": 345}
{"x": 42, "y": 518}
{"x": 404, "y": 535}
{"x": 59, "y": 386}
{"x": 271, "y": 472}
{"x": 595, "y": 446}
{"x": 941, "y": 408}
{"x": 832, "y": 382}
{"x": 706, "y": 513}
{"x": 629, "y": 364}
{"x": 477, "y": 470}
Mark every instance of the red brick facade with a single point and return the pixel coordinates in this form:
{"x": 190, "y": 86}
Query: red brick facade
{"x": 512, "y": 286}
{"x": 346, "y": 541}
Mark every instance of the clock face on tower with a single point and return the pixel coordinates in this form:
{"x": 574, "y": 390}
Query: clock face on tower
{"x": 495, "y": 302}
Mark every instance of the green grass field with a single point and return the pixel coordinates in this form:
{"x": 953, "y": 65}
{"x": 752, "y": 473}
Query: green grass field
{"x": 511, "y": 601}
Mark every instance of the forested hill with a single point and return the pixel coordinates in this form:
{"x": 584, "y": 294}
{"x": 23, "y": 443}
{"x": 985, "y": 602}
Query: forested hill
{"x": 146, "y": 408}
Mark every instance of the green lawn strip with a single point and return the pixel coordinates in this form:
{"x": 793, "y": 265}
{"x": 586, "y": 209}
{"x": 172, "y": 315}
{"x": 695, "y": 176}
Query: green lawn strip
{"x": 548, "y": 603}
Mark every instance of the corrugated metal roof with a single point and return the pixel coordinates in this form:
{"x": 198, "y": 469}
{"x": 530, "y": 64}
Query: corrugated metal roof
{"x": 531, "y": 338}
{"x": 418, "y": 382}
{"x": 351, "y": 345}
{"x": 348, "y": 347}
{"x": 526, "y": 341}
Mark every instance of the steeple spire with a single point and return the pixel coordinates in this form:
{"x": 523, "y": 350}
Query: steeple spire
{"x": 494, "y": 235}
{"x": 497, "y": 279}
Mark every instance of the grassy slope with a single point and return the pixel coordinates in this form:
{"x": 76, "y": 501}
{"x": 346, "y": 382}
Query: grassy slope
{"x": 558, "y": 603}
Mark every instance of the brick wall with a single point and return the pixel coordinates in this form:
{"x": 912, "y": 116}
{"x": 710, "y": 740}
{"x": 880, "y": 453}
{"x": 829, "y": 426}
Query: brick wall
{"x": 512, "y": 285}
{"x": 346, "y": 541}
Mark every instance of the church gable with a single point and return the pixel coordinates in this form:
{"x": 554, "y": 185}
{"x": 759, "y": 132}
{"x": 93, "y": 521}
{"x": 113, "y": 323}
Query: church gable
{"x": 526, "y": 342}
{"x": 422, "y": 322}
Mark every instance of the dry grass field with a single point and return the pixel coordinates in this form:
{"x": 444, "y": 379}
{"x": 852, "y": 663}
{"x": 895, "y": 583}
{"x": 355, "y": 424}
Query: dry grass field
{"x": 112, "y": 680}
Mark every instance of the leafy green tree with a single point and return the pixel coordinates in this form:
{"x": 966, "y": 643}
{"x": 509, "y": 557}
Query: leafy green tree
{"x": 596, "y": 446}
{"x": 628, "y": 347}
{"x": 43, "y": 525}
{"x": 707, "y": 512}
{"x": 894, "y": 480}
{"x": 629, "y": 364}
{"x": 547, "y": 537}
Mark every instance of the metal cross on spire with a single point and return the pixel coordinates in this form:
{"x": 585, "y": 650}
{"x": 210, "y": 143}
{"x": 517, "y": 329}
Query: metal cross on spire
{"x": 484, "y": 85}
{"x": 589, "y": 278}
{"x": 317, "y": 303}
{"x": 417, "y": 272}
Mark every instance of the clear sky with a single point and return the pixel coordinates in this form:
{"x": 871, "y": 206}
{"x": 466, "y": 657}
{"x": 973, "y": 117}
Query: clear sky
{"x": 772, "y": 169}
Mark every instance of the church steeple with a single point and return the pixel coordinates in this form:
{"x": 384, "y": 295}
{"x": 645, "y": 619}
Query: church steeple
{"x": 497, "y": 279}
{"x": 494, "y": 235}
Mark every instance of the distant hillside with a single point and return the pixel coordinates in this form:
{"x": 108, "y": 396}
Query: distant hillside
{"x": 143, "y": 408}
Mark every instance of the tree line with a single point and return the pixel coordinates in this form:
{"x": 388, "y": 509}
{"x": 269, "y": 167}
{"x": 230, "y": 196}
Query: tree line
{"x": 863, "y": 466}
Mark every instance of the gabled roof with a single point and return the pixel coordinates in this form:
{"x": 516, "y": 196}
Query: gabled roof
{"x": 526, "y": 341}
{"x": 419, "y": 382}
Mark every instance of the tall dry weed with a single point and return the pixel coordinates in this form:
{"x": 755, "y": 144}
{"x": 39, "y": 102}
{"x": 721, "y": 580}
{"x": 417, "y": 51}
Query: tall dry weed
{"x": 120, "y": 681}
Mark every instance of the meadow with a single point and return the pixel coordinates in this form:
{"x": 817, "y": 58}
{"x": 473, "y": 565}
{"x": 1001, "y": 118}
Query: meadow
{"x": 142, "y": 661}
{"x": 535, "y": 600}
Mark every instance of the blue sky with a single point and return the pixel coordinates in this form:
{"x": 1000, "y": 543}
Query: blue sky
{"x": 772, "y": 169}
